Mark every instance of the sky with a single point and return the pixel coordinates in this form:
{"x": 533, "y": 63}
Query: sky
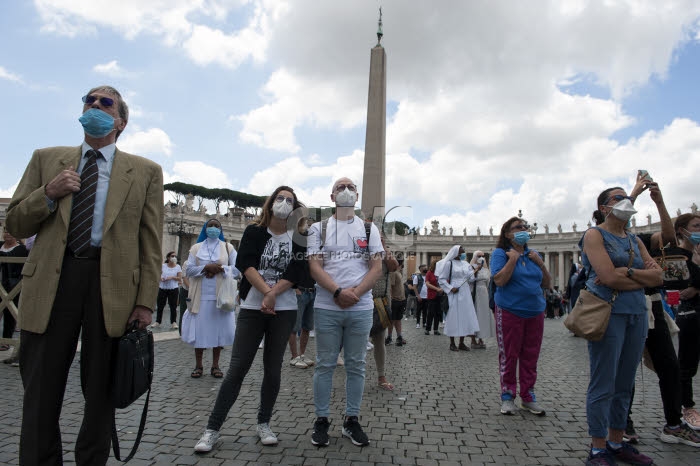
{"x": 492, "y": 106}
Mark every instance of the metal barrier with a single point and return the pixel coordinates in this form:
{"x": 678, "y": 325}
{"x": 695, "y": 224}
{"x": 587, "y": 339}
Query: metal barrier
{"x": 7, "y": 302}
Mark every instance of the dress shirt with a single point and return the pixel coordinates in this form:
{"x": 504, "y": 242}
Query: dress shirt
{"x": 104, "y": 168}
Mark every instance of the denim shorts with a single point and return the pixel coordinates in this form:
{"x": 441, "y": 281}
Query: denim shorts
{"x": 305, "y": 311}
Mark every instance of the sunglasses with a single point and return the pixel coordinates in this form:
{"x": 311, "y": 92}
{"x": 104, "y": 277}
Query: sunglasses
{"x": 104, "y": 101}
{"x": 618, "y": 197}
{"x": 288, "y": 200}
{"x": 342, "y": 187}
{"x": 520, "y": 227}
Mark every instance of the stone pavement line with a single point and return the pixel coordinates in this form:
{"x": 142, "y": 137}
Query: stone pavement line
{"x": 444, "y": 411}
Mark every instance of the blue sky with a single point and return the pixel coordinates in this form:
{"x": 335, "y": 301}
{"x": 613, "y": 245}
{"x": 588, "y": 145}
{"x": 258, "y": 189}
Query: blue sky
{"x": 493, "y": 106}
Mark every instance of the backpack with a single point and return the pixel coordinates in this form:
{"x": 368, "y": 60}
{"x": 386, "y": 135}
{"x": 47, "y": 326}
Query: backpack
{"x": 421, "y": 281}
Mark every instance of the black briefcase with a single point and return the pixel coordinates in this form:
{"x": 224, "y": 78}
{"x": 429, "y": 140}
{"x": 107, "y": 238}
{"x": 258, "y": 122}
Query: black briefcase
{"x": 132, "y": 374}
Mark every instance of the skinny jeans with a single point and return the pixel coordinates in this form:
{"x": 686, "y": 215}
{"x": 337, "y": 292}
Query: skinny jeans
{"x": 251, "y": 326}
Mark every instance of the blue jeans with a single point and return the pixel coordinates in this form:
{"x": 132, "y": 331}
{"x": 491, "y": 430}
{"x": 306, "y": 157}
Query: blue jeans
{"x": 334, "y": 329}
{"x": 613, "y": 365}
{"x": 305, "y": 311}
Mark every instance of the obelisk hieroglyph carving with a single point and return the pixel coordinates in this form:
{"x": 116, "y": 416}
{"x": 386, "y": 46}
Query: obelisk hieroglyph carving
{"x": 374, "y": 175}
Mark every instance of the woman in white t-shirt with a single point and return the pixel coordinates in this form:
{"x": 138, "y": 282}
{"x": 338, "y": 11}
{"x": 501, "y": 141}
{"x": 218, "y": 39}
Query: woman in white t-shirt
{"x": 170, "y": 276}
{"x": 271, "y": 263}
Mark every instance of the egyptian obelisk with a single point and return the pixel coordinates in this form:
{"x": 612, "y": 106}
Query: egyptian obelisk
{"x": 374, "y": 176}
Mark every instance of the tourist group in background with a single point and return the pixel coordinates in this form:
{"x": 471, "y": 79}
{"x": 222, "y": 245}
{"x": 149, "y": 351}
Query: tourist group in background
{"x": 337, "y": 278}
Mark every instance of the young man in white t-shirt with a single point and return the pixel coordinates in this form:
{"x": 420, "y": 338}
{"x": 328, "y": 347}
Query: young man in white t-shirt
{"x": 345, "y": 264}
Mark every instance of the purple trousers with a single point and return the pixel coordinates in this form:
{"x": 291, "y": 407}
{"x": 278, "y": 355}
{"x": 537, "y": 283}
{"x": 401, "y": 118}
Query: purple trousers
{"x": 519, "y": 342}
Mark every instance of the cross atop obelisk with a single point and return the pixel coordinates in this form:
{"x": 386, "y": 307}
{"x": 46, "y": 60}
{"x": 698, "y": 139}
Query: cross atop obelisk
{"x": 374, "y": 176}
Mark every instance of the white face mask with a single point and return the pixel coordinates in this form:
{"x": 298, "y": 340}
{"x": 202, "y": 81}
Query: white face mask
{"x": 481, "y": 260}
{"x": 345, "y": 198}
{"x": 281, "y": 209}
{"x": 624, "y": 210}
{"x": 173, "y": 260}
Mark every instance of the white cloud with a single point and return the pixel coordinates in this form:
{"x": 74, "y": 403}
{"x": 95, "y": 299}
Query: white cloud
{"x": 152, "y": 141}
{"x": 4, "y": 74}
{"x": 7, "y": 193}
{"x": 179, "y": 23}
{"x": 112, "y": 69}
{"x": 199, "y": 173}
{"x": 293, "y": 102}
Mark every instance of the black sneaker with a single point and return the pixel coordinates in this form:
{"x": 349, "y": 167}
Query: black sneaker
{"x": 427, "y": 332}
{"x": 630, "y": 435}
{"x": 436, "y": 333}
{"x": 352, "y": 430}
{"x": 387, "y": 341}
{"x": 400, "y": 341}
{"x": 319, "y": 436}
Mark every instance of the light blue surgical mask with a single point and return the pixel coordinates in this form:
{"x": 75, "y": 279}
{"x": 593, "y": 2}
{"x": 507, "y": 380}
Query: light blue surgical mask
{"x": 694, "y": 238}
{"x": 97, "y": 123}
{"x": 521, "y": 237}
{"x": 213, "y": 232}
{"x": 463, "y": 256}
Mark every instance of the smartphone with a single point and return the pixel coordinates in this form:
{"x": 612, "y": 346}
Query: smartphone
{"x": 644, "y": 175}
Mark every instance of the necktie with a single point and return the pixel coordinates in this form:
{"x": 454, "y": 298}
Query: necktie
{"x": 80, "y": 227}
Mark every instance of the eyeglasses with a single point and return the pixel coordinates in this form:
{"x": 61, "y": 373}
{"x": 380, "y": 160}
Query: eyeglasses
{"x": 104, "y": 101}
{"x": 350, "y": 187}
{"x": 618, "y": 197}
{"x": 520, "y": 227}
{"x": 288, "y": 200}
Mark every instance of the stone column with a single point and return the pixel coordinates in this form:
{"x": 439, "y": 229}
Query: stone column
{"x": 561, "y": 273}
{"x": 373, "y": 177}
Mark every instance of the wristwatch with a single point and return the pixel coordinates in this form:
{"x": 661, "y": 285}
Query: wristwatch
{"x": 337, "y": 292}
{"x": 630, "y": 272}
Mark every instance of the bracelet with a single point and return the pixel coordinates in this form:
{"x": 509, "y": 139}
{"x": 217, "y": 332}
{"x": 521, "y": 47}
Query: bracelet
{"x": 336, "y": 293}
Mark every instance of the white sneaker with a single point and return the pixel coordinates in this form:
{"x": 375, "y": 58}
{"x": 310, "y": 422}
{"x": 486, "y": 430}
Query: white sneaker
{"x": 370, "y": 346}
{"x": 207, "y": 442}
{"x": 298, "y": 363}
{"x": 341, "y": 362}
{"x": 312, "y": 334}
{"x": 155, "y": 325}
{"x": 174, "y": 326}
{"x": 308, "y": 361}
{"x": 267, "y": 437}
{"x": 417, "y": 325}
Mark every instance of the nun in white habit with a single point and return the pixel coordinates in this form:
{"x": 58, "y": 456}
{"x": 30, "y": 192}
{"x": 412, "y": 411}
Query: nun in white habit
{"x": 454, "y": 276}
{"x": 204, "y": 325}
{"x": 487, "y": 323}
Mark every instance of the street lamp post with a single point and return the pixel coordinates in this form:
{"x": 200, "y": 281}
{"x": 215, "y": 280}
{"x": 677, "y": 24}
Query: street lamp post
{"x": 180, "y": 229}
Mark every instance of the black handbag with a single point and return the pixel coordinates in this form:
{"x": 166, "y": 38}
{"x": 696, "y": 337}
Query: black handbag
{"x": 132, "y": 374}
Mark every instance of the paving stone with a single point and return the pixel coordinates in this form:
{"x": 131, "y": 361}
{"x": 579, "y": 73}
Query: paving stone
{"x": 444, "y": 411}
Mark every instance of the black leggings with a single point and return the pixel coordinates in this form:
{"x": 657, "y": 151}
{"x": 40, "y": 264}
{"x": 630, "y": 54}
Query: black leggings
{"x": 171, "y": 297}
{"x": 688, "y": 321}
{"x": 251, "y": 326}
{"x": 434, "y": 313}
{"x": 422, "y": 310}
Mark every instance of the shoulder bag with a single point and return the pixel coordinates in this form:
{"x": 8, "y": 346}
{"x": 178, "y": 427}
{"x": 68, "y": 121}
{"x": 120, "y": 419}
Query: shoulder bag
{"x": 226, "y": 297}
{"x": 132, "y": 374}
{"x": 590, "y": 316}
{"x": 675, "y": 268}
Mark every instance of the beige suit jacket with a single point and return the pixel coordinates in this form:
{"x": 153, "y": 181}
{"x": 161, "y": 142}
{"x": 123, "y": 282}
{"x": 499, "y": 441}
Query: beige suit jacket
{"x": 130, "y": 263}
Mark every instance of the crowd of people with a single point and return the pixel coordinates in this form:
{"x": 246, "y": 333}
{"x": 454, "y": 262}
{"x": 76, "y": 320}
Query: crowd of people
{"x": 336, "y": 278}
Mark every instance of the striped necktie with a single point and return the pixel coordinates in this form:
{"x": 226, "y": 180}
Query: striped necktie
{"x": 80, "y": 228}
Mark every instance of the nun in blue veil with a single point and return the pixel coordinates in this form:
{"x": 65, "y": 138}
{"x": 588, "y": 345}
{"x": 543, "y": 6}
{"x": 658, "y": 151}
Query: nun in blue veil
{"x": 204, "y": 325}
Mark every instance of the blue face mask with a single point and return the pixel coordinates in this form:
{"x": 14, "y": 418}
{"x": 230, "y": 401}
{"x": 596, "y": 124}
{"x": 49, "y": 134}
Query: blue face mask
{"x": 213, "y": 232}
{"x": 463, "y": 256}
{"x": 96, "y": 123}
{"x": 695, "y": 238}
{"x": 521, "y": 237}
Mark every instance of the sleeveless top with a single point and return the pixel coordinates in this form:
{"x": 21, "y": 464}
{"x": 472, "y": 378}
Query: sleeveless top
{"x": 627, "y": 302}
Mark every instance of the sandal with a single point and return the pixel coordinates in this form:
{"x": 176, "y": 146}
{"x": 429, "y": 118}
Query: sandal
{"x": 216, "y": 372}
{"x": 197, "y": 372}
{"x": 386, "y": 386}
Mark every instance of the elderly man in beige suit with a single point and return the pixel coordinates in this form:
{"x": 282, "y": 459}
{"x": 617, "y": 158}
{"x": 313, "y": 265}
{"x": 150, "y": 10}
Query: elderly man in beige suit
{"x": 98, "y": 216}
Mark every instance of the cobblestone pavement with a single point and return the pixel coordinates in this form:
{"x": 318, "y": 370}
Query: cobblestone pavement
{"x": 444, "y": 411}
